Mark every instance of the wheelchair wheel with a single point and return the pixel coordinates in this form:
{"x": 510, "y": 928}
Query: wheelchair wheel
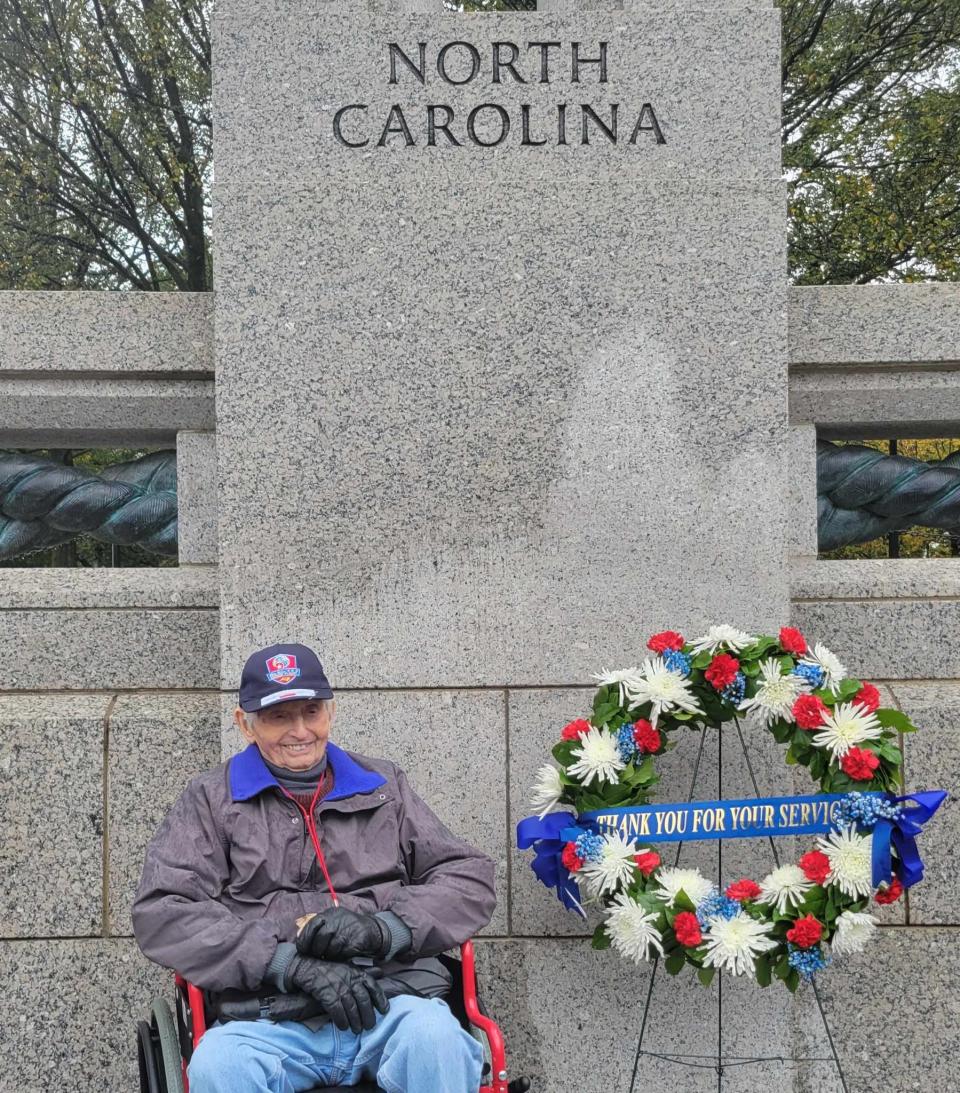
{"x": 168, "y": 1042}
{"x": 150, "y": 1081}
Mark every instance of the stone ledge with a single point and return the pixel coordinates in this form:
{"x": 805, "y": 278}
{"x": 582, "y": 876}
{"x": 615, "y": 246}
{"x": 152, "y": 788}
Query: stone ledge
{"x": 109, "y": 649}
{"x": 106, "y": 333}
{"x": 876, "y": 579}
{"x": 84, "y": 412}
{"x": 106, "y": 589}
{"x": 837, "y": 324}
{"x": 853, "y": 401}
{"x": 889, "y": 639}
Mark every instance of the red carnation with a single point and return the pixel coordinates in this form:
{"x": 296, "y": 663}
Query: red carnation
{"x": 868, "y": 696}
{"x": 815, "y": 866}
{"x": 722, "y": 671}
{"x": 646, "y": 737}
{"x": 806, "y": 932}
{"x": 809, "y": 712}
{"x": 647, "y": 861}
{"x": 859, "y": 764}
{"x": 575, "y": 729}
{"x": 891, "y": 893}
{"x": 687, "y": 929}
{"x": 792, "y": 641}
{"x": 666, "y": 639}
{"x": 570, "y": 859}
{"x": 743, "y": 890}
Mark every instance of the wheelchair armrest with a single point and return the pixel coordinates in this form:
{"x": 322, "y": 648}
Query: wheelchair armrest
{"x": 489, "y": 1028}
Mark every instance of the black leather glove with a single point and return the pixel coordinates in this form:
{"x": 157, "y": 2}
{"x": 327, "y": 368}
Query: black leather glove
{"x": 339, "y": 934}
{"x": 348, "y": 994}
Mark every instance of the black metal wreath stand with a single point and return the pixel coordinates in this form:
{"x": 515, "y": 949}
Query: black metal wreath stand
{"x": 717, "y": 1062}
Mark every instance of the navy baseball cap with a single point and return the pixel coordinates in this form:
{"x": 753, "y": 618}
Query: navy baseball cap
{"x": 280, "y": 673}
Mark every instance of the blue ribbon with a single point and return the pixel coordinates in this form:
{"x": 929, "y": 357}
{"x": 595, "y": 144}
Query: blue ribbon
{"x": 901, "y": 835}
{"x": 544, "y": 836}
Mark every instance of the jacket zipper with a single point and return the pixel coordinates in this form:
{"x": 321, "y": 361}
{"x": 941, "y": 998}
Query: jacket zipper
{"x": 311, "y": 826}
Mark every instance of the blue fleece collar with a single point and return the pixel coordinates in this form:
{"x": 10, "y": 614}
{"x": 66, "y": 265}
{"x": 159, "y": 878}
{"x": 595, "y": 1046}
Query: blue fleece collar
{"x": 249, "y": 775}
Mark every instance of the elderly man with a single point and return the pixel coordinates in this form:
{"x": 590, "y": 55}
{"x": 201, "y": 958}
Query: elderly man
{"x": 295, "y": 826}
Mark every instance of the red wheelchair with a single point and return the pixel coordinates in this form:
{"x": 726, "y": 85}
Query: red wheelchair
{"x": 165, "y": 1044}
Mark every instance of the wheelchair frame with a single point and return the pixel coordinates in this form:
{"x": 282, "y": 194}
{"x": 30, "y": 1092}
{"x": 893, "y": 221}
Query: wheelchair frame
{"x": 191, "y": 1026}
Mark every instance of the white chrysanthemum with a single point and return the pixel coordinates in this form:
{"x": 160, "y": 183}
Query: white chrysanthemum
{"x": 624, "y": 677}
{"x": 776, "y": 694}
{"x": 598, "y": 757}
{"x": 844, "y": 726}
{"x": 851, "y": 868}
{"x": 733, "y": 943}
{"x": 616, "y": 865}
{"x": 854, "y": 930}
{"x": 664, "y": 689}
{"x": 547, "y": 789}
{"x": 729, "y": 636}
{"x": 631, "y": 929}
{"x": 784, "y": 887}
{"x": 691, "y": 881}
{"x": 834, "y": 672}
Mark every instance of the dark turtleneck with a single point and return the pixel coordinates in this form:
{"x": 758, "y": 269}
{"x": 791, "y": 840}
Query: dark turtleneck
{"x": 302, "y": 784}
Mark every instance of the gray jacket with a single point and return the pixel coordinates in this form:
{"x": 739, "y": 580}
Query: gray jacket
{"x": 231, "y": 868}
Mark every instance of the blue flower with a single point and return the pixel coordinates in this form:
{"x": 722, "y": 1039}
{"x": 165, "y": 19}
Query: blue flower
{"x": 589, "y": 846}
{"x": 863, "y": 811}
{"x": 716, "y": 905}
{"x": 734, "y": 692}
{"x": 807, "y": 961}
{"x": 677, "y": 661}
{"x": 812, "y": 674}
{"x": 626, "y": 745}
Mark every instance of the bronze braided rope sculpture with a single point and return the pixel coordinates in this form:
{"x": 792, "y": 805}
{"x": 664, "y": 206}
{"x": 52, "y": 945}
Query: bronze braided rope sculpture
{"x": 861, "y": 494}
{"x": 44, "y": 504}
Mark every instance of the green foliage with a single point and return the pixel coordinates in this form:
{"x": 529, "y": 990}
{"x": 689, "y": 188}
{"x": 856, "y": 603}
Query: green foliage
{"x": 705, "y": 975}
{"x": 871, "y": 139}
{"x": 600, "y": 939}
{"x": 105, "y": 140}
{"x": 105, "y": 144}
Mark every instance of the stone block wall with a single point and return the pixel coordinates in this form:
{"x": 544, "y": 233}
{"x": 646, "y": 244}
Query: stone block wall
{"x": 107, "y": 706}
{"x": 113, "y": 693}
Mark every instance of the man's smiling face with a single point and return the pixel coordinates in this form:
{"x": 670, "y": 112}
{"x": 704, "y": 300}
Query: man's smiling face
{"x": 291, "y": 734}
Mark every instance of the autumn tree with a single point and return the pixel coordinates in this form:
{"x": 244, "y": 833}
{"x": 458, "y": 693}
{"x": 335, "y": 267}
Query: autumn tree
{"x": 105, "y": 144}
{"x": 105, "y": 140}
{"x": 871, "y": 139}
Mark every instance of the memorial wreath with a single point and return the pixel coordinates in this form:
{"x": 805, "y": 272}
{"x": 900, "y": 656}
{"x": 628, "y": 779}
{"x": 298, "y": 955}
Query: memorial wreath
{"x": 788, "y": 924}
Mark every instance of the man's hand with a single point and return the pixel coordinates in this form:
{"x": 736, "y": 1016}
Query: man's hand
{"x": 348, "y": 994}
{"x": 339, "y": 934}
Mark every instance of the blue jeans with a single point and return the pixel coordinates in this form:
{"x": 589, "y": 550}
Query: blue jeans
{"x": 418, "y": 1045}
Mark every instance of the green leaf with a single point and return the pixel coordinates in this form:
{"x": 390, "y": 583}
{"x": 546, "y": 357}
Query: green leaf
{"x": 847, "y": 689}
{"x": 887, "y": 750}
{"x": 674, "y": 963}
{"x": 762, "y": 965}
{"x": 759, "y": 647}
{"x": 600, "y": 939}
{"x": 563, "y": 752}
{"x": 894, "y": 719}
{"x": 705, "y": 975}
{"x": 683, "y": 902}
{"x": 792, "y": 980}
